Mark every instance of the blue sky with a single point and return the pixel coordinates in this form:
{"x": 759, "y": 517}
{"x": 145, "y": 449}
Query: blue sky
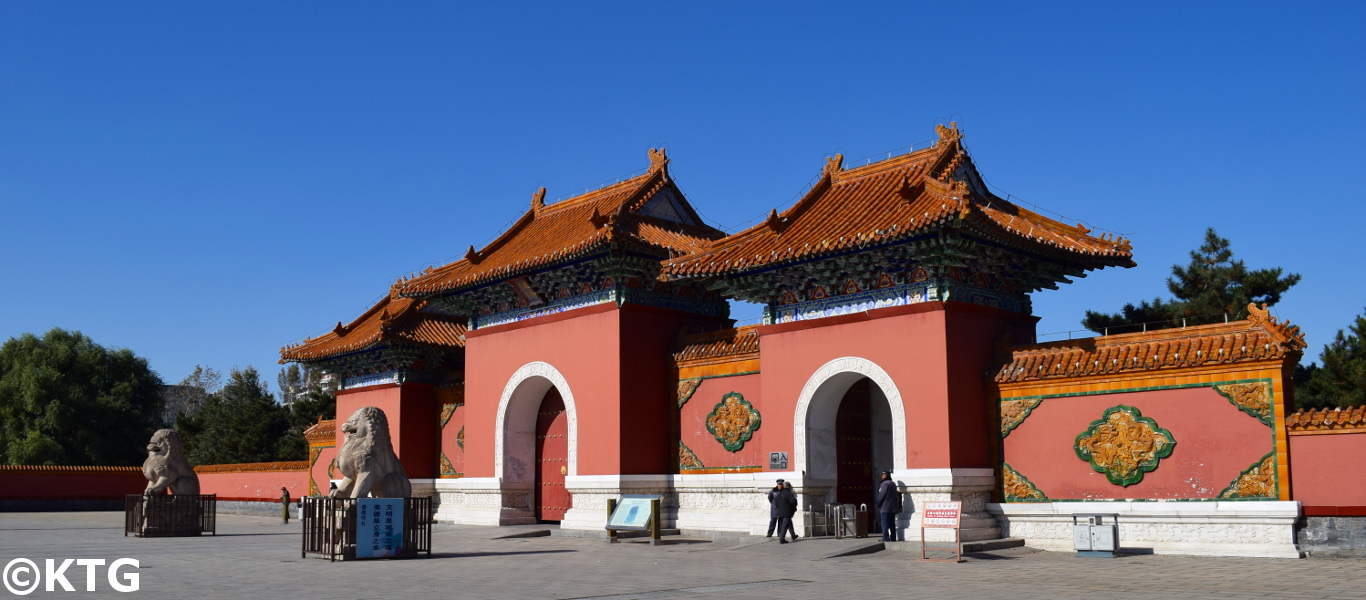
{"x": 205, "y": 183}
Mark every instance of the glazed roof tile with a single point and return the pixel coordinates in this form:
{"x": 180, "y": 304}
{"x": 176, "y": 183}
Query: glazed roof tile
{"x": 393, "y": 320}
{"x": 1326, "y": 419}
{"x": 322, "y": 432}
{"x": 892, "y": 200}
{"x": 1258, "y": 338}
{"x": 580, "y": 226}
{"x": 742, "y": 342}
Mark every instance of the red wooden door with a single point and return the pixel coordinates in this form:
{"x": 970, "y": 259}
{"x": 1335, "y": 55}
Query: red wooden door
{"x": 854, "y": 446}
{"x": 552, "y": 458}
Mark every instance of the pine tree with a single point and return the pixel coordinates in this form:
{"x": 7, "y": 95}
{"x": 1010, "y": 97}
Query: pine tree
{"x": 1341, "y": 381}
{"x": 1212, "y": 288}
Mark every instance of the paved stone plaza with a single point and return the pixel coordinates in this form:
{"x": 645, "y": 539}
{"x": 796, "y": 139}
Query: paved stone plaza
{"x": 256, "y": 557}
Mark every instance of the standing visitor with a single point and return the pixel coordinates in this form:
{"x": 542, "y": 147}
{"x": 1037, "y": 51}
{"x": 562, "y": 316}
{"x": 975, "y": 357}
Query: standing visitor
{"x": 773, "y": 507}
{"x": 888, "y": 505}
{"x": 787, "y": 508}
{"x": 284, "y": 506}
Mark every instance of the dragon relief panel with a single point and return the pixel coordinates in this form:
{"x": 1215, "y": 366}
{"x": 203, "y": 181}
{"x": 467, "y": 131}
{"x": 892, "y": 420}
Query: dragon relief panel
{"x": 686, "y": 387}
{"x": 733, "y": 421}
{"x": 687, "y": 459}
{"x": 1124, "y": 445}
{"x": 1019, "y": 488}
{"x": 1252, "y": 398}
{"x": 1256, "y": 481}
{"x": 1014, "y": 412}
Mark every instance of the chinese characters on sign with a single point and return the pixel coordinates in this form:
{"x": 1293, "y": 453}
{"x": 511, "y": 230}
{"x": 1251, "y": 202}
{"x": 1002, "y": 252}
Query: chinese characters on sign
{"x": 777, "y": 461}
{"x": 942, "y": 514}
{"x": 379, "y": 527}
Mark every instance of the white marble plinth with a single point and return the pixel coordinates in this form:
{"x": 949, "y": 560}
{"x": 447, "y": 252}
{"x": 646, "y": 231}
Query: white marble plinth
{"x": 1206, "y": 528}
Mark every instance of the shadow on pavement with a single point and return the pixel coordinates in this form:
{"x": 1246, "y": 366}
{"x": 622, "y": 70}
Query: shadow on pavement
{"x": 479, "y": 554}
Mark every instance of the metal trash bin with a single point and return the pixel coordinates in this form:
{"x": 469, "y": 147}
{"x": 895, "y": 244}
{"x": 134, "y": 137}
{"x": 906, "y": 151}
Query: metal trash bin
{"x": 817, "y": 523}
{"x": 1098, "y": 536}
{"x": 849, "y": 520}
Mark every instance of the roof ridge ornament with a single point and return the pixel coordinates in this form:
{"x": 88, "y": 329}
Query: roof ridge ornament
{"x": 538, "y": 201}
{"x": 340, "y": 329}
{"x": 773, "y": 221}
{"x": 948, "y": 135}
{"x": 1285, "y": 334}
{"x": 833, "y": 166}
{"x": 472, "y": 255}
{"x": 659, "y": 161}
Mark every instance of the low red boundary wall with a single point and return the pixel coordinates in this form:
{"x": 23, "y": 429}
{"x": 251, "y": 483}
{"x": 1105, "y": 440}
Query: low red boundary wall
{"x": 69, "y": 483}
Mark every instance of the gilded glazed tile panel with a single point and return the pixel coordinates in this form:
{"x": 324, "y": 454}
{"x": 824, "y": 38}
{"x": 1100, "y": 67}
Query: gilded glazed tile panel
{"x": 1123, "y": 444}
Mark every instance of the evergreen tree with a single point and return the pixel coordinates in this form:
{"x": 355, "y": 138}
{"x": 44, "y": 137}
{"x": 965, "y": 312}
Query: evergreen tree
{"x": 240, "y": 424}
{"x": 1341, "y": 381}
{"x": 1212, "y": 288}
{"x": 65, "y": 400}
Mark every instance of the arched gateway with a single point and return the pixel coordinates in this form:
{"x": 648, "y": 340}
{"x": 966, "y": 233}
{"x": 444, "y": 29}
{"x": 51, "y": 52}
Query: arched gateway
{"x": 536, "y": 437}
{"x": 850, "y": 423}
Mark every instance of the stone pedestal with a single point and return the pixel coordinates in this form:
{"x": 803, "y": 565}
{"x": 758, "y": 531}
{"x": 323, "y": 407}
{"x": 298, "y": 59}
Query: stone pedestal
{"x": 972, "y": 487}
{"x": 1209, "y": 528}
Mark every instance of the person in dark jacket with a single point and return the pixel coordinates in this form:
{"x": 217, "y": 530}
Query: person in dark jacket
{"x": 787, "y": 508}
{"x": 888, "y": 505}
{"x": 773, "y": 507}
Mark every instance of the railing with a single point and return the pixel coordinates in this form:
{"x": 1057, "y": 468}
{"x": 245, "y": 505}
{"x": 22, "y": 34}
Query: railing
{"x": 330, "y": 528}
{"x": 175, "y": 515}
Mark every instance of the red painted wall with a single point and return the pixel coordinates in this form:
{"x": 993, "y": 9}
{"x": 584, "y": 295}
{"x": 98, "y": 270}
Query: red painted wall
{"x": 615, "y": 362}
{"x": 1325, "y": 470}
{"x": 692, "y": 423}
{"x": 1215, "y": 442}
{"x": 648, "y": 395}
{"x": 583, "y": 345}
{"x": 412, "y": 412}
{"x": 70, "y": 483}
{"x": 944, "y": 399}
{"x": 260, "y": 485}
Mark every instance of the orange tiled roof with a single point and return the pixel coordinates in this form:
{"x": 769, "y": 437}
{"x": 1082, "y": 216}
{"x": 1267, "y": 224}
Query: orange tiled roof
{"x": 322, "y": 432}
{"x": 725, "y": 344}
{"x": 392, "y": 320}
{"x": 891, "y": 200}
{"x": 579, "y": 226}
{"x": 1260, "y": 337}
{"x": 1326, "y": 419}
{"x": 265, "y": 467}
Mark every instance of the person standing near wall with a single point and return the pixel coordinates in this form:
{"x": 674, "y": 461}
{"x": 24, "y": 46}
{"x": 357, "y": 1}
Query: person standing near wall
{"x": 773, "y": 507}
{"x": 888, "y": 505}
{"x": 787, "y": 508}
{"x": 284, "y": 506}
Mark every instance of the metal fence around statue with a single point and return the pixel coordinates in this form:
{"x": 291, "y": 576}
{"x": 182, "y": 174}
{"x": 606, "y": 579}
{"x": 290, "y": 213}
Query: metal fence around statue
{"x": 361, "y": 528}
{"x": 176, "y": 515}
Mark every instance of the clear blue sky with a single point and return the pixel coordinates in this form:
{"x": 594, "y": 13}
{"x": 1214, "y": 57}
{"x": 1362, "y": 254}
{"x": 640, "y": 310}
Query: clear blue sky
{"x": 205, "y": 183}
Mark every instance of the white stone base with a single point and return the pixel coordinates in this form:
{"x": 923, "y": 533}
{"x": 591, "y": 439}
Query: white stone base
{"x": 726, "y": 502}
{"x": 483, "y": 501}
{"x": 1205, "y": 528}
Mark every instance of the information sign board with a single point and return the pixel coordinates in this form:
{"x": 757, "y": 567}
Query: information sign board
{"x": 632, "y": 513}
{"x": 942, "y": 514}
{"x": 379, "y": 527}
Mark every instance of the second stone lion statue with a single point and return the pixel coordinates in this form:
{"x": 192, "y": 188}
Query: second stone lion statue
{"x": 166, "y": 468}
{"x": 367, "y": 460}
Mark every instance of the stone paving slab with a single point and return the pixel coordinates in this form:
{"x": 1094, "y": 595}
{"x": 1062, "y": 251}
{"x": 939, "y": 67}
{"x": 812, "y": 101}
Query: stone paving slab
{"x": 256, "y": 557}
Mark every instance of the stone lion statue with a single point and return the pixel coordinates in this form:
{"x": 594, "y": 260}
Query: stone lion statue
{"x": 166, "y": 468}
{"x": 367, "y": 461}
